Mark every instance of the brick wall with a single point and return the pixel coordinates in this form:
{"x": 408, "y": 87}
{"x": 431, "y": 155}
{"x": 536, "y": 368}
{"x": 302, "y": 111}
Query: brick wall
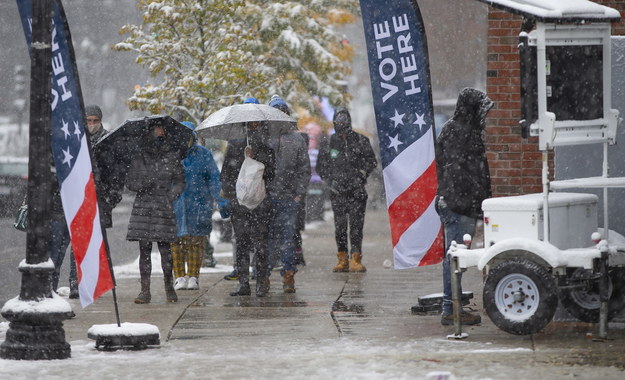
{"x": 515, "y": 163}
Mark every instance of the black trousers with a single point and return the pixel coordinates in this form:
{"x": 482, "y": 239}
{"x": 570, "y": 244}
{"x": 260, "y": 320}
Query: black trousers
{"x": 349, "y": 216}
{"x": 145, "y": 259}
{"x": 251, "y": 233}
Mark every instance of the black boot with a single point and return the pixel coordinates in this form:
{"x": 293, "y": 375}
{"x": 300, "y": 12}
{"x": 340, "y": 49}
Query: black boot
{"x": 73, "y": 289}
{"x": 170, "y": 292}
{"x": 262, "y": 286}
{"x": 243, "y": 289}
{"x": 144, "y": 296}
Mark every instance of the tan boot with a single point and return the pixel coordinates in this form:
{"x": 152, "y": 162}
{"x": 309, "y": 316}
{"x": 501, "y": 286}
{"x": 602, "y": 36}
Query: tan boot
{"x": 343, "y": 265}
{"x": 288, "y": 281}
{"x": 354, "y": 263}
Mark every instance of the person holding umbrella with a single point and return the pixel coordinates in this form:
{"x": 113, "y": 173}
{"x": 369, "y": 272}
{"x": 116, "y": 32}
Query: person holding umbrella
{"x": 194, "y": 210}
{"x": 251, "y": 226}
{"x": 157, "y": 176}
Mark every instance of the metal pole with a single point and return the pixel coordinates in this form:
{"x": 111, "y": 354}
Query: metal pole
{"x": 455, "y": 296}
{"x": 37, "y": 334}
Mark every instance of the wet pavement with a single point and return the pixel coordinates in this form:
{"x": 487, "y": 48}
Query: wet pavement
{"x": 342, "y": 325}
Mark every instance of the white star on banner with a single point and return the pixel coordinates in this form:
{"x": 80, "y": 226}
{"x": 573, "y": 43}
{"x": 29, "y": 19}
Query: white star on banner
{"x": 394, "y": 142}
{"x": 67, "y": 158}
{"x": 65, "y": 128}
{"x": 76, "y": 130}
{"x": 420, "y": 120}
{"x": 398, "y": 119}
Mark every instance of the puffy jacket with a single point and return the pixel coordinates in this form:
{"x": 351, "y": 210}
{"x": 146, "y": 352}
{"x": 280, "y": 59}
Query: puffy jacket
{"x": 194, "y": 207}
{"x": 346, "y": 159}
{"x": 158, "y": 178}
{"x": 461, "y": 164}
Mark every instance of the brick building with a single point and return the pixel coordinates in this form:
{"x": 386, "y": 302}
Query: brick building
{"x": 515, "y": 163}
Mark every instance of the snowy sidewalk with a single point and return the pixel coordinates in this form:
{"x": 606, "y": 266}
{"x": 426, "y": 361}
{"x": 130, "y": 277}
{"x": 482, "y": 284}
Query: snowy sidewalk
{"x": 337, "y": 325}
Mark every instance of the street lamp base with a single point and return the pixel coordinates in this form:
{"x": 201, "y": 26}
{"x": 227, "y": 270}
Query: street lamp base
{"x": 26, "y": 340}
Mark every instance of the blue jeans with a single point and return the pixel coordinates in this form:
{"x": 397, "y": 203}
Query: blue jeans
{"x": 282, "y": 233}
{"x": 455, "y": 226}
{"x": 59, "y": 241}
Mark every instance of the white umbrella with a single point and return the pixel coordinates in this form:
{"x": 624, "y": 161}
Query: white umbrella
{"x": 229, "y": 123}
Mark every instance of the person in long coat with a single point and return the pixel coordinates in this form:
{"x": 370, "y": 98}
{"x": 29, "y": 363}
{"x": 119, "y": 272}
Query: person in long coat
{"x": 463, "y": 181}
{"x": 344, "y": 163}
{"x": 157, "y": 176}
{"x": 194, "y": 211}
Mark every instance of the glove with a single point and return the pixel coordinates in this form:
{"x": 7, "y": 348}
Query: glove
{"x": 224, "y": 211}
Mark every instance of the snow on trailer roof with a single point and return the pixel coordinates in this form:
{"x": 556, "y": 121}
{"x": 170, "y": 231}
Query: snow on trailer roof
{"x": 534, "y": 202}
{"x": 558, "y": 11}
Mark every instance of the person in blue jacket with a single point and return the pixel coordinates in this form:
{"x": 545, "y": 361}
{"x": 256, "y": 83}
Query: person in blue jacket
{"x": 194, "y": 210}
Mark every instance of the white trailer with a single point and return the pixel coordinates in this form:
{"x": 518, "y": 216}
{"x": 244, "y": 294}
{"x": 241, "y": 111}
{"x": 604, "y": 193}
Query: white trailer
{"x": 534, "y": 258}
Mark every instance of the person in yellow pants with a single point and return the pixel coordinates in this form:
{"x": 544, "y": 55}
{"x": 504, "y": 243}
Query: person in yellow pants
{"x": 194, "y": 210}
{"x": 188, "y": 250}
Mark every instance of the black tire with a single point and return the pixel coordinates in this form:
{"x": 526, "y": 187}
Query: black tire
{"x": 520, "y": 296}
{"x": 584, "y": 304}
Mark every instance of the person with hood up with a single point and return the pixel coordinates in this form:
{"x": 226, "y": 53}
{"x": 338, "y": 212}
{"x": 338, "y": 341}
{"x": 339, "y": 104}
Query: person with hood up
{"x": 287, "y": 190}
{"x": 345, "y": 161}
{"x": 251, "y": 226}
{"x": 157, "y": 176}
{"x": 194, "y": 210}
{"x": 463, "y": 181}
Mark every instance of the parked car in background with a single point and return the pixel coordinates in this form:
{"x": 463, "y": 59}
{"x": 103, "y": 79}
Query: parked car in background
{"x": 13, "y": 183}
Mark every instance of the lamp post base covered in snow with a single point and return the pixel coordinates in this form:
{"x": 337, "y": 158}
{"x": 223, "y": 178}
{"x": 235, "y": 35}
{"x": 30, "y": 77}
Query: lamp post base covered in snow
{"x": 36, "y": 328}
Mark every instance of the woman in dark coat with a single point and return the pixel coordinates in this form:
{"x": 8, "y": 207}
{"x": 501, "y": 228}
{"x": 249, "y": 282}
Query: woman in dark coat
{"x": 157, "y": 176}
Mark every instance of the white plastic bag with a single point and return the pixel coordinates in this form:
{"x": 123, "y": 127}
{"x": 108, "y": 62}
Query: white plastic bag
{"x": 250, "y": 184}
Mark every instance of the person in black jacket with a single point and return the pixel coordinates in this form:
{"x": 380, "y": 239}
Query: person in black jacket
{"x": 157, "y": 175}
{"x": 463, "y": 181}
{"x": 344, "y": 163}
{"x": 251, "y": 227}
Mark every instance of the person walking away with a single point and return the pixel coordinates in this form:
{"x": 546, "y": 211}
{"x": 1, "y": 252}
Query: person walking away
{"x": 287, "y": 190}
{"x": 251, "y": 227}
{"x": 345, "y": 161}
{"x": 157, "y": 176}
{"x": 194, "y": 211}
{"x": 463, "y": 181}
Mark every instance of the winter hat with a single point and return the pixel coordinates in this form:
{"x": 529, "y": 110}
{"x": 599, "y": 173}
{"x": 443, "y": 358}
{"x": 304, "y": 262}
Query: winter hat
{"x": 93, "y": 110}
{"x": 277, "y": 102}
{"x": 189, "y": 125}
{"x": 249, "y": 99}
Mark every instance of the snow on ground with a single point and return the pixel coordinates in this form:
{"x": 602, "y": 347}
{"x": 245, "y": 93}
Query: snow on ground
{"x": 344, "y": 358}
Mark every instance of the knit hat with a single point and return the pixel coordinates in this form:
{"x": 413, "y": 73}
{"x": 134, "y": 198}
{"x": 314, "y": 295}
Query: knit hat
{"x": 189, "y": 125}
{"x": 277, "y": 102}
{"x": 93, "y": 110}
{"x": 251, "y": 100}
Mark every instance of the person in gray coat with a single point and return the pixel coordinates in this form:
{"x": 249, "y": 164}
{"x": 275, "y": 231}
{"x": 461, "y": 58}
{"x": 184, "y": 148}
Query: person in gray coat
{"x": 287, "y": 190}
{"x": 157, "y": 176}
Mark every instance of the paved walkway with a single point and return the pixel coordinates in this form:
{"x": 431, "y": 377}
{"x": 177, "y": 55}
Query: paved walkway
{"x": 348, "y": 325}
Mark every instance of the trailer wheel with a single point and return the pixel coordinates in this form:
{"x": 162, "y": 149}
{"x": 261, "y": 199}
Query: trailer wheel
{"x": 520, "y": 296}
{"x": 584, "y": 303}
